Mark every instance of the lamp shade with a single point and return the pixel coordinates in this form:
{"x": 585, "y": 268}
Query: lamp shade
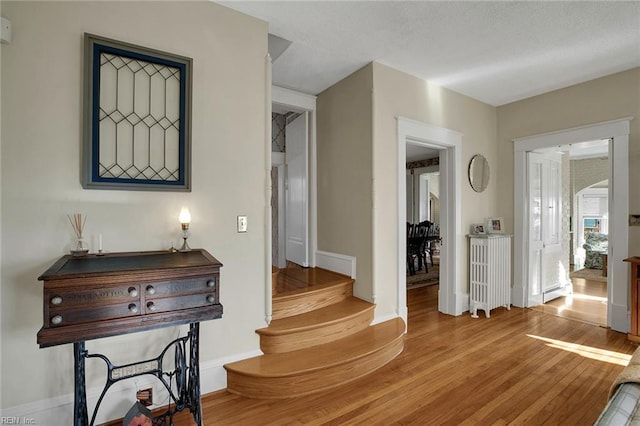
{"x": 185, "y": 216}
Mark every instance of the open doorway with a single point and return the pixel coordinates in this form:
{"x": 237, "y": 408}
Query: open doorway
{"x": 616, "y": 135}
{"x": 293, "y": 174}
{"x": 448, "y": 144}
{"x": 423, "y": 216}
{"x": 570, "y": 218}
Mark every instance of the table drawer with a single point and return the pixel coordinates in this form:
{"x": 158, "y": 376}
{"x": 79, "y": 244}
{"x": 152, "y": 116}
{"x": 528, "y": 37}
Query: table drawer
{"x": 180, "y": 302}
{"x": 63, "y": 298}
{"x": 62, "y": 317}
{"x": 207, "y": 284}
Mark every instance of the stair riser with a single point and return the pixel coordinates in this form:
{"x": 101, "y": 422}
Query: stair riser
{"x": 314, "y": 381}
{"x": 306, "y": 302}
{"x": 322, "y": 334}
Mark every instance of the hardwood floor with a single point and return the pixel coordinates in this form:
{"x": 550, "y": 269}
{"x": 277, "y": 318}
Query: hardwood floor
{"x": 298, "y": 280}
{"x": 518, "y": 367}
{"x": 588, "y": 303}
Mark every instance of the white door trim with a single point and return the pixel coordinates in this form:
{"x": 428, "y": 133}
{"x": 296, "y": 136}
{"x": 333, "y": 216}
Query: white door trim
{"x": 449, "y": 143}
{"x": 617, "y": 280}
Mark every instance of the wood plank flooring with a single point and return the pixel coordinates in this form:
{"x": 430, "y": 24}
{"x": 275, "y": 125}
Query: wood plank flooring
{"x": 587, "y": 303}
{"x": 518, "y": 367}
{"x": 298, "y": 280}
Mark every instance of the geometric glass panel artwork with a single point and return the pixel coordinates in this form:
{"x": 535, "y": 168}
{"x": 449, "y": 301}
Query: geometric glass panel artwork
{"x": 137, "y": 117}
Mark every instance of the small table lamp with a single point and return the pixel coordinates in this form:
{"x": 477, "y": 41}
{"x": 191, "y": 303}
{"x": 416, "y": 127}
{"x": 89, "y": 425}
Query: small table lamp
{"x": 185, "y": 220}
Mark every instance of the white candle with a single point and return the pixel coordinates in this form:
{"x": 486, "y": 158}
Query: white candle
{"x": 100, "y": 242}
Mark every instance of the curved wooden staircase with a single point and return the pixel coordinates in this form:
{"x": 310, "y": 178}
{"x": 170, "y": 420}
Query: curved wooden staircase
{"x": 320, "y": 337}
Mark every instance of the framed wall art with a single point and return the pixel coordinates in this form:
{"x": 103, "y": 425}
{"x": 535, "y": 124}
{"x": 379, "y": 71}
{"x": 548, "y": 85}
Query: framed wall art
{"x": 137, "y": 118}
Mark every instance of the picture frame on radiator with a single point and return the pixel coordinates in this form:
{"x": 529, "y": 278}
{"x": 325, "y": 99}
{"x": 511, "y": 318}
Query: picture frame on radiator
{"x": 478, "y": 229}
{"x": 495, "y": 225}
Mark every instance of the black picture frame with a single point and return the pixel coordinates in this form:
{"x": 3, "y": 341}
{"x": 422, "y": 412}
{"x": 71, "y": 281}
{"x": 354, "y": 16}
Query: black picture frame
{"x": 156, "y": 154}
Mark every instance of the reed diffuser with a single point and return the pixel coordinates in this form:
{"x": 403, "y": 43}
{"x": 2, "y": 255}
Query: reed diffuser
{"x": 77, "y": 222}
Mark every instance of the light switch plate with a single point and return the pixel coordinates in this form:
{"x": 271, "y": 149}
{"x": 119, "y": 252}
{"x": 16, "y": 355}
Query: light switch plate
{"x": 242, "y": 224}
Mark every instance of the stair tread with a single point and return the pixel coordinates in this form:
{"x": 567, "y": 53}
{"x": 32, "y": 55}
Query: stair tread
{"x": 293, "y": 282}
{"x": 336, "y": 312}
{"x": 322, "y": 356}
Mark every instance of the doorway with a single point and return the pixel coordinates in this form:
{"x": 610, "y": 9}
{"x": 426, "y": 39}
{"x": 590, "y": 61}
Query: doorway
{"x": 616, "y": 135}
{"x": 568, "y": 230}
{"x": 448, "y": 143}
{"x": 423, "y": 216}
{"x": 293, "y": 205}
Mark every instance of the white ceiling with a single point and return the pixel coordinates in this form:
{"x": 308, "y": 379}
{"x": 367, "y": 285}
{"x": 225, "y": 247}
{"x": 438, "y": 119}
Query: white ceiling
{"x": 417, "y": 152}
{"x": 496, "y": 52}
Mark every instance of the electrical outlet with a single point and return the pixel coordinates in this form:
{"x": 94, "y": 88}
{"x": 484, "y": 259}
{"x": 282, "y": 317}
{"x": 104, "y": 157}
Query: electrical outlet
{"x": 242, "y": 224}
{"x": 145, "y": 396}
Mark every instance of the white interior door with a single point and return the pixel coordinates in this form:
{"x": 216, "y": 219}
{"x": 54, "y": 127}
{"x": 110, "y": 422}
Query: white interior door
{"x": 297, "y": 191}
{"x": 424, "y": 198}
{"x": 546, "y": 270}
{"x": 555, "y": 273}
{"x": 536, "y": 240}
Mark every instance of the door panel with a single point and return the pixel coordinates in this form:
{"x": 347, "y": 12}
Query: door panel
{"x": 297, "y": 162}
{"x": 536, "y": 240}
{"x": 544, "y": 174}
{"x": 552, "y": 222}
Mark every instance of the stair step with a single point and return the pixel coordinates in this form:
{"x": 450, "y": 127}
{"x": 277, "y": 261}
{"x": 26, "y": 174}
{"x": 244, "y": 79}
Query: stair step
{"x": 316, "y": 327}
{"x": 305, "y": 371}
{"x": 311, "y": 298}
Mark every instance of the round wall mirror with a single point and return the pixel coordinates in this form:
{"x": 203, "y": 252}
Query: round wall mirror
{"x": 478, "y": 173}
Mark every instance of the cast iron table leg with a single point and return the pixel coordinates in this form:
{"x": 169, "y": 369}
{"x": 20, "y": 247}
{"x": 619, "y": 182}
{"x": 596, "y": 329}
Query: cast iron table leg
{"x": 80, "y": 417}
{"x": 194, "y": 372}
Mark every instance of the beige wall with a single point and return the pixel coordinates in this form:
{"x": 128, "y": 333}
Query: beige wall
{"x": 399, "y": 94}
{"x": 41, "y": 132}
{"x": 350, "y": 154}
{"x": 344, "y": 122}
{"x": 608, "y": 98}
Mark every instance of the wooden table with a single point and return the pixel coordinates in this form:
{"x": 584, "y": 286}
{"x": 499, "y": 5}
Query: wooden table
{"x": 93, "y": 296}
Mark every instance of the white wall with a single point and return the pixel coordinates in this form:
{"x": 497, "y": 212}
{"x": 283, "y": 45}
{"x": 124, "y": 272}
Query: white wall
{"x": 40, "y": 152}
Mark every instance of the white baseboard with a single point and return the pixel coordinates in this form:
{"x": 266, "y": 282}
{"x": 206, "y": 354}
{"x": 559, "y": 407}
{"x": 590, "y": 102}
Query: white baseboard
{"x": 553, "y": 294}
{"x": 335, "y": 262}
{"x": 383, "y": 318}
{"x": 58, "y": 411}
{"x": 462, "y": 303}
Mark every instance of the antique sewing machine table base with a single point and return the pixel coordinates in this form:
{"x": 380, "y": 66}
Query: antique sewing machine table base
{"x": 100, "y": 296}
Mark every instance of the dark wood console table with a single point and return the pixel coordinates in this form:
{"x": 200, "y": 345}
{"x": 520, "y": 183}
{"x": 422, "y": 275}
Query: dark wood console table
{"x": 93, "y": 296}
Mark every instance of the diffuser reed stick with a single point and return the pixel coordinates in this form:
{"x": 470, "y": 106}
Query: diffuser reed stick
{"x": 77, "y": 222}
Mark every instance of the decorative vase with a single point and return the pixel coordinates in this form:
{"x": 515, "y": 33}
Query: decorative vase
{"x": 80, "y": 247}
